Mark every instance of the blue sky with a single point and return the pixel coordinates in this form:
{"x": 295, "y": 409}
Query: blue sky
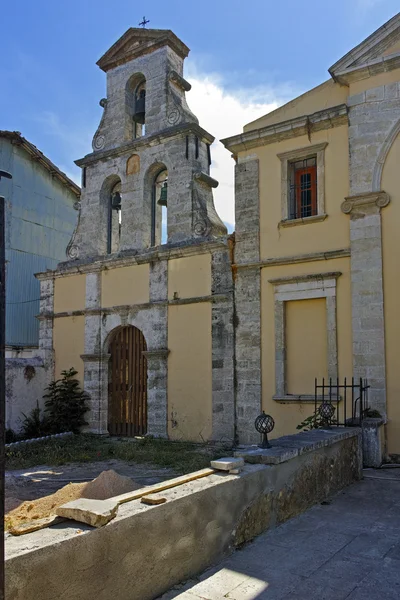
{"x": 246, "y": 58}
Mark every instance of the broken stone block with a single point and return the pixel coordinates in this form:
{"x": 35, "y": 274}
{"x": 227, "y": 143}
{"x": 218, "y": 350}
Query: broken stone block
{"x": 93, "y": 512}
{"x": 227, "y": 464}
{"x": 153, "y": 499}
{"x": 35, "y": 525}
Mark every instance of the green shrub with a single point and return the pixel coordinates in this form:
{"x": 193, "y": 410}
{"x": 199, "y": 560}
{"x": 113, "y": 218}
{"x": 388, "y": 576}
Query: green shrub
{"x": 35, "y": 424}
{"x": 66, "y": 403}
{"x": 11, "y": 436}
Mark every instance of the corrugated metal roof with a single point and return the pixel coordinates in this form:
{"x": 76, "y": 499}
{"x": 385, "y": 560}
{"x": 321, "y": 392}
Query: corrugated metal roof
{"x": 23, "y": 296}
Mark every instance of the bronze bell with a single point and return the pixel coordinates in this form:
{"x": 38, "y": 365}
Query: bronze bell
{"x": 116, "y": 201}
{"x": 140, "y": 107}
{"x": 164, "y": 194}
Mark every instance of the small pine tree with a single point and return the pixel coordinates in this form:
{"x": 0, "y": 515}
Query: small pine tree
{"x": 66, "y": 403}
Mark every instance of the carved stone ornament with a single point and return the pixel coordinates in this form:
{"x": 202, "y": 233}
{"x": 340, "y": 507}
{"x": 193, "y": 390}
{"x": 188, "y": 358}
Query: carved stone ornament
{"x": 200, "y": 228}
{"x": 73, "y": 252}
{"x": 360, "y": 201}
{"x": 98, "y": 142}
{"x": 173, "y": 116}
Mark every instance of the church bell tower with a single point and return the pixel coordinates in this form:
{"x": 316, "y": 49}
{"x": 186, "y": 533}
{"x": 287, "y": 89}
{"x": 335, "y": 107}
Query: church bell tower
{"x": 147, "y": 181}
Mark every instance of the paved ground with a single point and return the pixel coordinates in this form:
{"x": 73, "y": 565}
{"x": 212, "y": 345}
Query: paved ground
{"x": 347, "y": 549}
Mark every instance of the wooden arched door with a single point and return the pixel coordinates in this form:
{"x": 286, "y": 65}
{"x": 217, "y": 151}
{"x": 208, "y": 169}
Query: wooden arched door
{"x": 127, "y": 388}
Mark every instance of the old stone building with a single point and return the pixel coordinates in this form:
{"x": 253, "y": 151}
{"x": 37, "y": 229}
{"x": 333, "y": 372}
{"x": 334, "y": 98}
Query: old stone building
{"x": 178, "y": 330}
{"x": 317, "y": 245}
{"x": 147, "y": 322}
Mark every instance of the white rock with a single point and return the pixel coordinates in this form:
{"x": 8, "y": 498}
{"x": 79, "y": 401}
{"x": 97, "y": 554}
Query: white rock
{"x": 93, "y": 512}
{"x": 227, "y": 464}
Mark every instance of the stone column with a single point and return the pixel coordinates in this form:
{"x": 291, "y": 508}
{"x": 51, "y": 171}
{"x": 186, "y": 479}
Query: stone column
{"x": 157, "y": 353}
{"x": 46, "y": 323}
{"x": 367, "y": 292}
{"x": 94, "y": 360}
{"x": 223, "y": 402}
{"x": 247, "y": 300}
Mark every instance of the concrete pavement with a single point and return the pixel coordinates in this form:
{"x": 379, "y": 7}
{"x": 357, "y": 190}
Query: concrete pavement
{"x": 347, "y": 549}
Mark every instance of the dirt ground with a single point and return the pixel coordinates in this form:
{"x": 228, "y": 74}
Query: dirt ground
{"x": 36, "y": 482}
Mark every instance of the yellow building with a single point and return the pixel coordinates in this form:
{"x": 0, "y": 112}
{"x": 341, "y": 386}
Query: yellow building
{"x": 178, "y": 330}
{"x": 317, "y": 214}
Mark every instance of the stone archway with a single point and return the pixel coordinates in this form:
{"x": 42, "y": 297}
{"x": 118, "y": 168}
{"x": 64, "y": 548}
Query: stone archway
{"x": 127, "y": 382}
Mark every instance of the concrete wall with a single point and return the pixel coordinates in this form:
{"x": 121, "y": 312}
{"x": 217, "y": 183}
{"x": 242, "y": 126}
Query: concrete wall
{"x": 146, "y": 550}
{"x": 26, "y": 380}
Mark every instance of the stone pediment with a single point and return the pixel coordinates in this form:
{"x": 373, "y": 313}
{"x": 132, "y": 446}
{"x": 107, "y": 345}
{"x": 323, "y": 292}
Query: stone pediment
{"x": 137, "y": 42}
{"x": 371, "y": 56}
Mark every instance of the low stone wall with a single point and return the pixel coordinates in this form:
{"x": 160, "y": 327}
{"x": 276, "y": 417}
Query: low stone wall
{"x": 146, "y": 550}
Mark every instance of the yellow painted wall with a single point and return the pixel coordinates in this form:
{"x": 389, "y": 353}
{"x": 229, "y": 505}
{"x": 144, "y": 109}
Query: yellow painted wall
{"x": 69, "y": 293}
{"x": 69, "y": 344}
{"x": 331, "y": 234}
{"x": 189, "y": 372}
{"x": 391, "y": 286}
{"x": 323, "y": 96}
{"x": 126, "y": 285}
{"x": 371, "y": 82}
{"x": 306, "y": 344}
{"x": 189, "y": 277}
{"x": 288, "y": 416}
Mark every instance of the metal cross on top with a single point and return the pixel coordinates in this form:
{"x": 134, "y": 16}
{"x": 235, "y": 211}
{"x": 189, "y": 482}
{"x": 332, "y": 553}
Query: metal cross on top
{"x": 144, "y": 23}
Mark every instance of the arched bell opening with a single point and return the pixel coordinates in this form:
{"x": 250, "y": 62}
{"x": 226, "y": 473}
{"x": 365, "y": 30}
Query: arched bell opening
{"x": 136, "y": 106}
{"x": 159, "y": 216}
{"x": 114, "y": 218}
{"x": 127, "y": 383}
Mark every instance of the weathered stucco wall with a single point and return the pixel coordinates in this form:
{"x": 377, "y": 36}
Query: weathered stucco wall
{"x": 189, "y": 277}
{"x": 69, "y": 338}
{"x": 190, "y": 372}
{"x": 330, "y": 234}
{"x": 127, "y": 285}
{"x": 69, "y": 293}
{"x": 306, "y": 344}
{"x": 325, "y": 95}
{"x": 26, "y": 379}
{"x": 391, "y": 284}
{"x": 146, "y": 550}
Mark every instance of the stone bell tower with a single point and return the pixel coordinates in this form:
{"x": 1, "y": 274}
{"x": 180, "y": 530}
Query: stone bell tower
{"x": 147, "y": 180}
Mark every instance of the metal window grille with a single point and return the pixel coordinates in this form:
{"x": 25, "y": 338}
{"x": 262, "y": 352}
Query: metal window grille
{"x": 303, "y": 188}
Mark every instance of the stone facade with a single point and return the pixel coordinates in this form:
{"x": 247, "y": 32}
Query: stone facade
{"x": 131, "y": 156}
{"x": 266, "y": 264}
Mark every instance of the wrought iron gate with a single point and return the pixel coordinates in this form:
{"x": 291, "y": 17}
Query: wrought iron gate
{"x": 127, "y": 388}
{"x": 341, "y": 404}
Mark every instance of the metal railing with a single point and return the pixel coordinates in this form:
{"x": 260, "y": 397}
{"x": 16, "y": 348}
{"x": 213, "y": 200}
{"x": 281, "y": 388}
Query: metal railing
{"x": 341, "y": 404}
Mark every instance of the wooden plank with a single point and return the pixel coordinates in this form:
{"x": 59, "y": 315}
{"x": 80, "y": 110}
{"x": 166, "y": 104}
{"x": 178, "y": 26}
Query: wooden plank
{"x": 161, "y": 487}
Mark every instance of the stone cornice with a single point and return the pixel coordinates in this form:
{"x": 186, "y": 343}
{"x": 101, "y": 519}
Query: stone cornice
{"x": 101, "y": 263}
{"x": 305, "y": 125}
{"x": 298, "y": 258}
{"x": 138, "y": 42}
{"x": 372, "y": 67}
{"x": 367, "y": 51}
{"x": 308, "y": 277}
{"x": 303, "y": 152}
{"x": 147, "y": 141}
{"x": 376, "y": 200}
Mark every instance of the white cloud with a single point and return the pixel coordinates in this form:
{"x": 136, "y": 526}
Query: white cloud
{"x": 223, "y": 113}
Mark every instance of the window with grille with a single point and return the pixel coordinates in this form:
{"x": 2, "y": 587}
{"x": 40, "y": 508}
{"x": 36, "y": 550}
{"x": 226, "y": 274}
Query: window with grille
{"x": 303, "y": 188}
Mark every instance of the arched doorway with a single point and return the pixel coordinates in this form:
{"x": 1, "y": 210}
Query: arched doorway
{"x": 127, "y": 388}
